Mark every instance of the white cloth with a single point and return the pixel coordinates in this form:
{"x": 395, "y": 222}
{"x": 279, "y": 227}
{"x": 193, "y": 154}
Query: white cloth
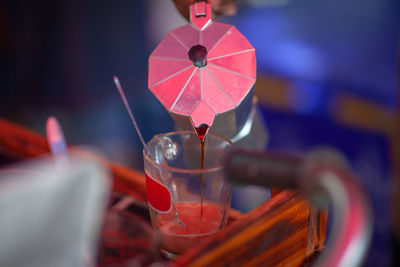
{"x": 50, "y": 214}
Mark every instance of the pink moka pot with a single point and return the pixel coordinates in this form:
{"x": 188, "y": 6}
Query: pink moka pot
{"x": 203, "y": 73}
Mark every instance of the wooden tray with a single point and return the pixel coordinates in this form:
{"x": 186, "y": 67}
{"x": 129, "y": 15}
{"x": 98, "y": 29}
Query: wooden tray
{"x": 284, "y": 231}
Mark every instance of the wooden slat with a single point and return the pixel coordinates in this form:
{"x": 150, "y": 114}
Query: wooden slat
{"x": 356, "y": 112}
{"x": 21, "y": 142}
{"x": 273, "y": 92}
{"x": 395, "y": 153}
{"x": 317, "y": 229}
{"x": 263, "y": 236}
{"x": 288, "y": 253}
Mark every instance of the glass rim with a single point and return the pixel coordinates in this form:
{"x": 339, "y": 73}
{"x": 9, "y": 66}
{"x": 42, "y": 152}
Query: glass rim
{"x": 181, "y": 170}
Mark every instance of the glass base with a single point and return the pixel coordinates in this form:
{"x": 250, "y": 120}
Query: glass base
{"x": 168, "y": 255}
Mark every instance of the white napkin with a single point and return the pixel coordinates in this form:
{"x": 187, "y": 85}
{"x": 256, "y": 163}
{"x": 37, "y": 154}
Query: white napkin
{"x": 50, "y": 214}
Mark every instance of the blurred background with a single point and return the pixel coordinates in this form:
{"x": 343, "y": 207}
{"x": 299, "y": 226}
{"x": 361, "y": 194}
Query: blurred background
{"x": 327, "y": 76}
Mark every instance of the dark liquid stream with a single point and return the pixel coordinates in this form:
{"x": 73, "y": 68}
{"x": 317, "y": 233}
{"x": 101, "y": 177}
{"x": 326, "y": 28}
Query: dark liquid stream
{"x": 201, "y": 133}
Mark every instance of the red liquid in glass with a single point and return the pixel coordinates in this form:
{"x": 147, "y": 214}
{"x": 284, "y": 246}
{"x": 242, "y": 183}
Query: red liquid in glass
{"x": 201, "y": 133}
{"x": 177, "y": 238}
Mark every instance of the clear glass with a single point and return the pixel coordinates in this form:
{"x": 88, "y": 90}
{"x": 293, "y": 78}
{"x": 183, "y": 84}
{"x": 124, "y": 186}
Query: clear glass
{"x": 200, "y": 197}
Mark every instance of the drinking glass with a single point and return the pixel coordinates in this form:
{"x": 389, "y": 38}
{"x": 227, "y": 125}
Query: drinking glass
{"x": 188, "y": 201}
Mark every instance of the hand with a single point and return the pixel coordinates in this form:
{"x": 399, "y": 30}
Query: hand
{"x": 219, "y": 7}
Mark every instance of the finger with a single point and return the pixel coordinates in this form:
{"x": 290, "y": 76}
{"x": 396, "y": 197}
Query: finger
{"x": 220, "y": 7}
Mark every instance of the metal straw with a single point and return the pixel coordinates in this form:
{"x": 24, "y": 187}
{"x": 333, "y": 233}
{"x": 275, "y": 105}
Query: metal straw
{"x": 121, "y": 92}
